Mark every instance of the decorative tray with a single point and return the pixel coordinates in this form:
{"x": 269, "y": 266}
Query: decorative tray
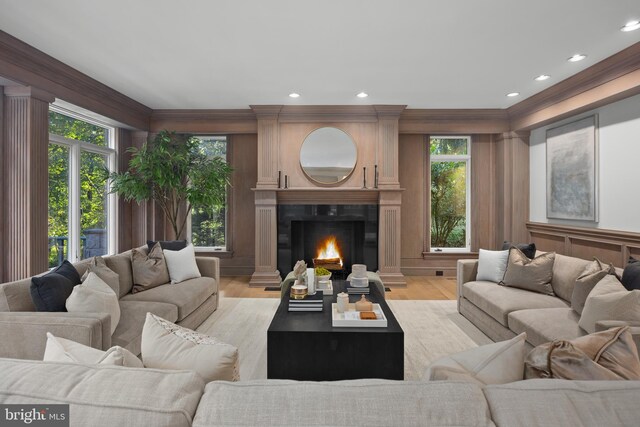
{"x": 328, "y": 290}
{"x": 350, "y": 319}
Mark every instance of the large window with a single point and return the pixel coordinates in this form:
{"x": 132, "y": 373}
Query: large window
{"x": 209, "y": 226}
{"x": 81, "y": 210}
{"x": 450, "y": 161}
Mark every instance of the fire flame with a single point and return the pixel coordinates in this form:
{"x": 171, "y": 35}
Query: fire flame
{"x": 329, "y": 249}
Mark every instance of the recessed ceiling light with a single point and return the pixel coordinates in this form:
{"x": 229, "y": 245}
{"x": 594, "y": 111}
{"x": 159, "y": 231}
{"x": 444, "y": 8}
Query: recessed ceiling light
{"x": 631, "y": 26}
{"x": 512, "y": 94}
{"x": 577, "y": 57}
{"x": 294, "y": 95}
{"x": 542, "y": 77}
{"x": 362, "y": 95}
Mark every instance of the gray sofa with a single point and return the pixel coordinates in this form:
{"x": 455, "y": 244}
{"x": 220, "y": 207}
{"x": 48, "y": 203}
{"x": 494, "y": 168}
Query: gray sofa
{"x": 503, "y": 312}
{"x": 189, "y": 303}
{"x": 115, "y": 396}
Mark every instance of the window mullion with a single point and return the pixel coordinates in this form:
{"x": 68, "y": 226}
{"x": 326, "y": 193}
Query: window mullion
{"x": 74, "y": 205}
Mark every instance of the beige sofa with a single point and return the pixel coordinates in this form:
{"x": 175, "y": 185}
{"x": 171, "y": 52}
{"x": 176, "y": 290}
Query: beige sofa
{"x": 114, "y": 396}
{"x": 189, "y": 303}
{"x": 503, "y": 312}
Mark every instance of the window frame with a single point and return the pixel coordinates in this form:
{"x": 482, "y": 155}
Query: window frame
{"x": 227, "y": 249}
{"x": 466, "y": 158}
{"x": 76, "y": 147}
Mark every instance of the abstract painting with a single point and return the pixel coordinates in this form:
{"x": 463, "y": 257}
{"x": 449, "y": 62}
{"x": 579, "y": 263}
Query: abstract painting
{"x": 572, "y": 170}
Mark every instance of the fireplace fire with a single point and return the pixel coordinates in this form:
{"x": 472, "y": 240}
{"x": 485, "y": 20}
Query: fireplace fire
{"x": 329, "y": 256}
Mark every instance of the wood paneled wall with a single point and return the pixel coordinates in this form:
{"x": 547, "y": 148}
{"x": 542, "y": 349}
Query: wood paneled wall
{"x": 25, "y": 157}
{"x": 2, "y": 186}
{"x": 609, "y": 246}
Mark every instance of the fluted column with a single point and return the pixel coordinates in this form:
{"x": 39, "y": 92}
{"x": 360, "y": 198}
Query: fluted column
{"x": 25, "y": 157}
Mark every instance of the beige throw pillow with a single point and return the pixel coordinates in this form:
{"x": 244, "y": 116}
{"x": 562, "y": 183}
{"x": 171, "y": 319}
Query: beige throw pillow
{"x": 498, "y": 363}
{"x": 529, "y": 274}
{"x": 64, "y": 350}
{"x": 94, "y": 296}
{"x": 99, "y": 267}
{"x": 588, "y": 279}
{"x": 609, "y": 300}
{"x": 166, "y": 345}
{"x": 149, "y": 270}
{"x": 606, "y": 355}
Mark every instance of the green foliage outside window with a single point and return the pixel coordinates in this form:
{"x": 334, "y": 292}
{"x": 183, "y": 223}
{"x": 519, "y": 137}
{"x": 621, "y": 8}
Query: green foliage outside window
{"x": 448, "y": 194}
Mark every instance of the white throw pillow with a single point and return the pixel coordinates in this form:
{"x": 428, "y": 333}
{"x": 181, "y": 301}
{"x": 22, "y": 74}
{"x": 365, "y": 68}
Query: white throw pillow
{"x": 182, "y": 264}
{"x": 64, "y": 350}
{"x": 166, "y": 345}
{"x": 497, "y": 363}
{"x": 95, "y": 296}
{"x": 492, "y": 265}
{"x": 609, "y": 300}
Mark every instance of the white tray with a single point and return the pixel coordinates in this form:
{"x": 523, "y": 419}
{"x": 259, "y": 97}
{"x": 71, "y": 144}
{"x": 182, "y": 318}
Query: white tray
{"x": 339, "y": 320}
{"x": 326, "y": 291}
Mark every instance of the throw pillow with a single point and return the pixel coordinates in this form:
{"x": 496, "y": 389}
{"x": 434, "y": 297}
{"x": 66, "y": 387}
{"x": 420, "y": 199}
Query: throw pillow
{"x": 99, "y": 267}
{"x": 497, "y": 363}
{"x": 171, "y": 245}
{"x": 592, "y": 274}
{"x": 64, "y": 350}
{"x": 50, "y": 291}
{"x": 492, "y": 265}
{"x": 606, "y": 355}
{"x": 529, "y": 249}
{"x": 149, "y": 270}
{"x": 609, "y": 300}
{"x": 530, "y": 274}
{"x": 166, "y": 345}
{"x": 181, "y": 264}
{"x": 95, "y": 296}
{"x": 631, "y": 274}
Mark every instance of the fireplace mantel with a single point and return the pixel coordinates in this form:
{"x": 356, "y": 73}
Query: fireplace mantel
{"x": 279, "y": 141}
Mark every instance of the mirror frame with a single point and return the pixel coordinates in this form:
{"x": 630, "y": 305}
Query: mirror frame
{"x": 325, "y": 184}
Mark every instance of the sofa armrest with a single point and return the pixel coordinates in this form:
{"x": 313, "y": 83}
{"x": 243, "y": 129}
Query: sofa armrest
{"x": 466, "y": 272}
{"x": 209, "y": 267}
{"x": 634, "y": 328}
{"x": 23, "y": 334}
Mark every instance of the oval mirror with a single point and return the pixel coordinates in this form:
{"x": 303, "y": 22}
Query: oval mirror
{"x": 328, "y": 155}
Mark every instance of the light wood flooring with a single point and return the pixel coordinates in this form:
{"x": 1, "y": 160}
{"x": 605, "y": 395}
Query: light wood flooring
{"x": 418, "y": 288}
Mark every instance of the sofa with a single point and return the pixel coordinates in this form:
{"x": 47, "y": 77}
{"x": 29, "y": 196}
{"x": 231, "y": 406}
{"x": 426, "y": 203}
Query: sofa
{"x": 117, "y": 396}
{"x": 503, "y": 312}
{"x": 189, "y": 303}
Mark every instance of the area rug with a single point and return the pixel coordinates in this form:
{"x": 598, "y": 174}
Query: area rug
{"x": 432, "y": 329}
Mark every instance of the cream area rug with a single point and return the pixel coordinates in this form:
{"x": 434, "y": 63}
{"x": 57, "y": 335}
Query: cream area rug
{"x": 432, "y": 329}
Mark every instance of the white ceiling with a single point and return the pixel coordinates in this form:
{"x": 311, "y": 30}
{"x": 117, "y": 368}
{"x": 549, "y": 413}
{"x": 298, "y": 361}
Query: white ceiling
{"x": 233, "y": 53}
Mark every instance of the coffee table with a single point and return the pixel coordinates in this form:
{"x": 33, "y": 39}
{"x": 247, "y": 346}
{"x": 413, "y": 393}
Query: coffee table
{"x": 304, "y": 345}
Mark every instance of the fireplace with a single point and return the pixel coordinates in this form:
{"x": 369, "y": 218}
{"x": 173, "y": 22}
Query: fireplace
{"x": 304, "y": 231}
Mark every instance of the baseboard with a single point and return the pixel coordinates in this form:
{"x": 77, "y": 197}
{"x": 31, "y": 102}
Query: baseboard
{"x": 429, "y": 271}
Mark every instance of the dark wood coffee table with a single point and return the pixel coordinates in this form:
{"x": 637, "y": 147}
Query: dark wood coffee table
{"x": 304, "y": 345}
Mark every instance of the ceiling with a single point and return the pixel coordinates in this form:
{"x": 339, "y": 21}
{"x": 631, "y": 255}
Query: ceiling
{"x": 233, "y": 53}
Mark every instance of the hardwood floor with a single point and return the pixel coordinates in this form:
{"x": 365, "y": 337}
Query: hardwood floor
{"x": 418, "y": 288}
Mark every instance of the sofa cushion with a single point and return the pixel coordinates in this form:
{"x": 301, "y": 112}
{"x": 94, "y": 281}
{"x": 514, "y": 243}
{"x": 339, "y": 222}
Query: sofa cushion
{"x": 187, "y": 296}
{"x": 342, "y": 403}
{"x": 128, "y": 334}
{"x": 588, "y": 279}
{"x": 492, "y": 265}
{"x": 63, "y": 350}
{"x": 551, "y": 402}
{"x": 530, "y": 274}
{"x": 110, "y": 277}
{"x": 104, "y": 395}
{"x": 95, "y": 296}
{"x": 566, "y": 271}
{"x": 498, "y": 301}
{"x": 149, "y": 269}
{"x": 631, "y": 274}
{"x": 529, "y": 249}
{"x": 546, "y": 324}
{"x": 121, "y": 264}
{"x": 609, "y": 300}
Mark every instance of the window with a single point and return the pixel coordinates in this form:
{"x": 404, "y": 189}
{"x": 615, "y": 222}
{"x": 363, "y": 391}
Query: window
{"x": 81, "y": 210}
{"x": 208, "y": 228}
{"x": 450, "y": 159}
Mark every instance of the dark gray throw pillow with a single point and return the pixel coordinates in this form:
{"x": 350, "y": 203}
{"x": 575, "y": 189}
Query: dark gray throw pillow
{"x": 529, "y": 249}
{"x": 50, "y": 292}
{"x": 631, "y": 275}
{"x": 170, "y": 245}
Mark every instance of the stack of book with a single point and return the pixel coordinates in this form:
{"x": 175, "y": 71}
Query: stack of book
{"x": 358, "y": 291}
{"x": 309, "y": 303}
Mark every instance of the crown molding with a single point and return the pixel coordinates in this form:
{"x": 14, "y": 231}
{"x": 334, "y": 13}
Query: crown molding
{"x": 205, "y": 121}
{"x": 454, "y": 121}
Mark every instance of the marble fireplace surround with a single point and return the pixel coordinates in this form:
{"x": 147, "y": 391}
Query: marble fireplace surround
{"x": 281, "y": 131}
